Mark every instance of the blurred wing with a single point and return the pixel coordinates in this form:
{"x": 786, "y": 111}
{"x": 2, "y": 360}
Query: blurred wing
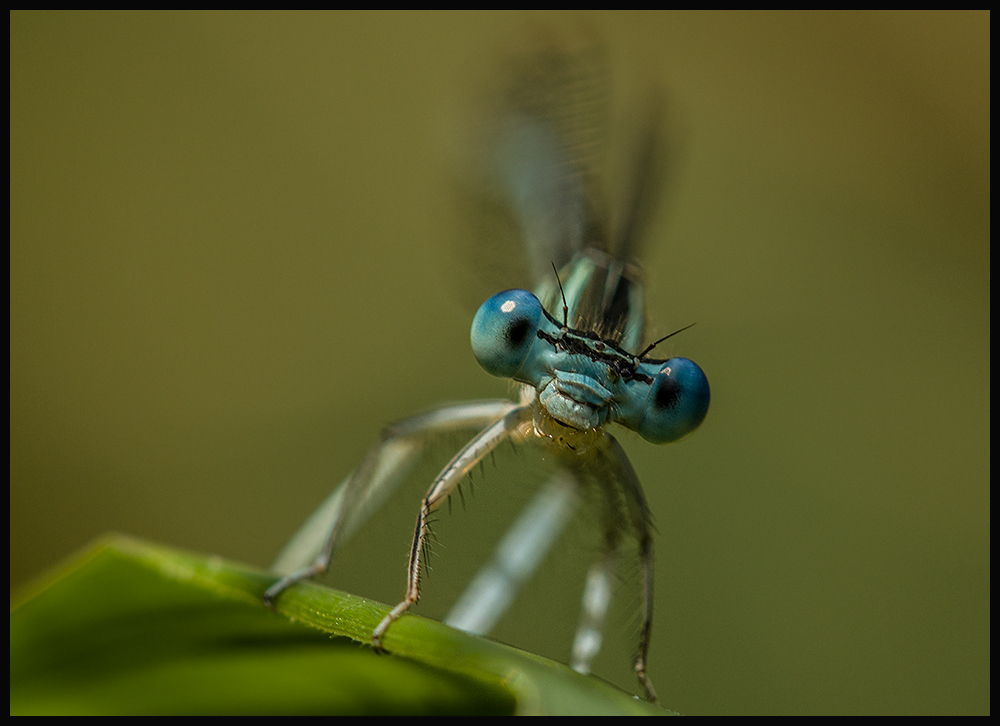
{"x": 541, "y": 149}
{"x": 549, "y": 140}
{"x": 550, "y": 136}
{"x": 543, "y": 136}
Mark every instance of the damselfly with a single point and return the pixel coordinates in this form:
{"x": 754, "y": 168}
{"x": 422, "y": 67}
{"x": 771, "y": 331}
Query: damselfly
{"x": 576, "y": 348}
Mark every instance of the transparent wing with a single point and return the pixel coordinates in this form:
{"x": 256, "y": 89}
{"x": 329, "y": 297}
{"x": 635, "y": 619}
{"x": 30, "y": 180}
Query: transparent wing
{"x": 547, "y": 140}
{"x": 611, "y": 298}
{"x": 542, "y": 139}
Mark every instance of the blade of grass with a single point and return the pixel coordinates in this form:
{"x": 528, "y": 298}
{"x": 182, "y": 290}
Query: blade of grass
{"x": 133, "y": 627}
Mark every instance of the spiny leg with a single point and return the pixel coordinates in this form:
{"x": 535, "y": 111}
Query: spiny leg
{"x": 383, "y": 468}
{"x": 470, "y": 455}
{"x": 646, "y": 560}
{"x": 610, "y": 463}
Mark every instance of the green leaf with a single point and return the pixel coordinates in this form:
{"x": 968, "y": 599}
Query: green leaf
{"x": 129, "y": 627}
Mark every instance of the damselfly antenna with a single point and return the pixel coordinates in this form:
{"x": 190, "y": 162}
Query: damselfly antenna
{"x": 565, "y": 306}
{"x": 656, "y": 343}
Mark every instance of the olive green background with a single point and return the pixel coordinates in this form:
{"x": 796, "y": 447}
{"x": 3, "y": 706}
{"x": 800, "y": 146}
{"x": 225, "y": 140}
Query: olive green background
{"x": 232, "y": 261}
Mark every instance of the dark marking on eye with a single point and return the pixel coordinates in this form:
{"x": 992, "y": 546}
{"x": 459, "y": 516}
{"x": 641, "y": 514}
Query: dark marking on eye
{"x": 668, "y": 393}
{"x": 517, "y": 332}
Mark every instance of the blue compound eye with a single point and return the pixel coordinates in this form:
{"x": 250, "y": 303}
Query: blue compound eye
{"x": 503, "y": 331}
{"x": 677, "y": 402}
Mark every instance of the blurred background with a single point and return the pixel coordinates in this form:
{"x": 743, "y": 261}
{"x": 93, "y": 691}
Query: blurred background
{"x": 230, "y": 265}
